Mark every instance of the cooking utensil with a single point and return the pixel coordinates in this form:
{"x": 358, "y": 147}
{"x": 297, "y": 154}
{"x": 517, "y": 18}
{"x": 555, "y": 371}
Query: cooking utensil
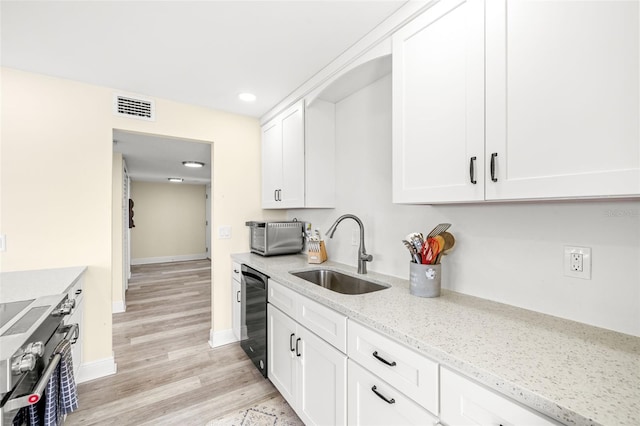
{"x": 427, "y": 253}
{"x": 449, "y": 242}
{"x": 434, "y": 247}
{"x": 415, "y": 257}
{"x": 438, "y": 229}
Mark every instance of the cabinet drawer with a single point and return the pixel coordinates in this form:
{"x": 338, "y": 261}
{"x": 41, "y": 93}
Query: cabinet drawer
{"x": 410, "y": 373}
{"x": 464, "y": 402}
{"x": 368, "y": 408}
{"x": 283, "y": 298}
{"x": 236, "y": 273}
{"x": 323, "y": 321}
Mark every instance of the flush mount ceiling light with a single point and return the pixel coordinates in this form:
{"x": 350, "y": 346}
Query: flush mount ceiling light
{"x": 247, "y": 97}
{"x": 175, "y": 179}
{"x": 194, "y": 164}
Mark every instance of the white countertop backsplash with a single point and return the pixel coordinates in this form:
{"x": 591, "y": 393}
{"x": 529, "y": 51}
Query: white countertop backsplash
{"x": 25, "y": 285}
{"x": 572, "y": 372}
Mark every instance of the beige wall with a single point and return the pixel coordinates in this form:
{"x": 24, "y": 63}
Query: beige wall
{"x": 117, "y": 241}
{"x": 56, "y": 185}
{"x": 169, "y": 220}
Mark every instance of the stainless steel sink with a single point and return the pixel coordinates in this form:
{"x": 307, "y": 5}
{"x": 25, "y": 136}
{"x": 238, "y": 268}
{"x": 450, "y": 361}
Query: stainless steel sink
{"x": 338, "y": 282}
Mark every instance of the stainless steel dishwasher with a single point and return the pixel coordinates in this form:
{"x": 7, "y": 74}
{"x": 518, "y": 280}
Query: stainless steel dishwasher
{"x": 254, "y": 317}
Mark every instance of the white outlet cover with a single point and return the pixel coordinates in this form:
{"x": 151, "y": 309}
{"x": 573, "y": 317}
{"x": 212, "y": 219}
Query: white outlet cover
{"x": 585, "y": 274}
{"x": 3, "y": 242}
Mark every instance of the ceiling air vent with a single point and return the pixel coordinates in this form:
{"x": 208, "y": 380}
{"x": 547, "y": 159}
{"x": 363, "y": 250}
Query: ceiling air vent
{"x": 134, "y": 107}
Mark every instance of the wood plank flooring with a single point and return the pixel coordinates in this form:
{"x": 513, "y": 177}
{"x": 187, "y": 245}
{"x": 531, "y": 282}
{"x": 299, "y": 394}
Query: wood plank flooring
{"x": 167, "y": 373}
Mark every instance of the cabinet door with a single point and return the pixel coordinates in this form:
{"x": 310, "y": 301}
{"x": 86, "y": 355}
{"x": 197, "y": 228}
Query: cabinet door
{"x": 292, "y": 190}
{"x": 281, "y": 355}
{"x": 322, "y": 396}
{"x": 236, "y": 302}
{"x": 562, "y": 103}
{"x": 465, "y": 403}
{"x": 271, "y": 163}
{"x": 373, "y": 402}
{"x": 438, "y": 105}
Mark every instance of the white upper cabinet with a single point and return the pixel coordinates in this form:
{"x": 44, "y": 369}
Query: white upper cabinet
{"x": 298, "y": 151}
{"x": 543, "y": 94}
{"x": 283, "y": 159}
{"x": 562, "y": 104}
{"x": 438, "y": 105}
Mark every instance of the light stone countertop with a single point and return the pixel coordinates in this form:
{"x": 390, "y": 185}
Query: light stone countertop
{"x": 572, "y": 372}
{"x": 25, "y": 285}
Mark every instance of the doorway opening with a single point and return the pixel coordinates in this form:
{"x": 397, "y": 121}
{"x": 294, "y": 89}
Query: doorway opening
{"x": 162, "y": 206}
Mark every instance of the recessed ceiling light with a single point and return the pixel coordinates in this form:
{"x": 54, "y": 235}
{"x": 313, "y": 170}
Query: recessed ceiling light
{"x": 247, "y": 97}
{"x": 175, "y": 179}
{"x": 194, "y": 164}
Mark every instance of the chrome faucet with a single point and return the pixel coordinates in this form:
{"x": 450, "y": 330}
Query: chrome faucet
{"x": 363, "y": 257}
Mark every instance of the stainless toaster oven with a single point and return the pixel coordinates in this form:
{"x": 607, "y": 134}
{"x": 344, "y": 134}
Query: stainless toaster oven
{"x": 273, "y": 238}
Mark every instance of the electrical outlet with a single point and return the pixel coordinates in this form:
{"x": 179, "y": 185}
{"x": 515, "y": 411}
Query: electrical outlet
{"x": 355, "y": 234}
{"x": 577, "y": 262}
{"x": 3, "y": 242}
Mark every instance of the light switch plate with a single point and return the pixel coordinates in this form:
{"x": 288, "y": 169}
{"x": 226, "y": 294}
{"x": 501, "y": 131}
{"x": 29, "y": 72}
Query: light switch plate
{"x": 577, "y": 262}
{"x": 224, "y": 232}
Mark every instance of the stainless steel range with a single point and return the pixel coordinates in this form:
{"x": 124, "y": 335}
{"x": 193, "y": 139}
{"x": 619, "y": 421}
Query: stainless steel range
{"x": 30, "y": 331}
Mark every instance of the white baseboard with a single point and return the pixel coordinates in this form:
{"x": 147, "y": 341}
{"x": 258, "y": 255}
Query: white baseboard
{"x": 118, "y": 307}
{"x": 165, "y": 259}
{"x": 97, "y": 369}
{"x": 221, "y": 338}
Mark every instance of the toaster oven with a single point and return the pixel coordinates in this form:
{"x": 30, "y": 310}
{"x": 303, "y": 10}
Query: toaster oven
{"x": 273, "y": 238}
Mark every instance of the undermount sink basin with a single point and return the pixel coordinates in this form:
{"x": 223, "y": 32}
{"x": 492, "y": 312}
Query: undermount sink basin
{"x": 339, "y": 282}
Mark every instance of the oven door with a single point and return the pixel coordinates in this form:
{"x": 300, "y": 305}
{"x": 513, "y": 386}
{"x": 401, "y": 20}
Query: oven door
{"x": 30, "y": 387}
{"x": 254, "y": 317}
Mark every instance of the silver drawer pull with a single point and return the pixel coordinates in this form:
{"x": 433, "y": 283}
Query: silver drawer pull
{"x": 381, "y": 396}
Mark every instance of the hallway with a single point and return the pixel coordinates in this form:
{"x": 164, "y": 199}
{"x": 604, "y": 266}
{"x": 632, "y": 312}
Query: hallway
{"x": 167, "y": 372}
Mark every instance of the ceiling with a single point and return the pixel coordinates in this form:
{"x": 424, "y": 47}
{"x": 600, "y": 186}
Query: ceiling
{"x": 198, "y": 52}
{"x": 154, "y": 158}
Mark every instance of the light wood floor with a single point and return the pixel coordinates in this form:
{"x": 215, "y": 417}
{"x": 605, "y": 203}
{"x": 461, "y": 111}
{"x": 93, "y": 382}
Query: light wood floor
{"x": 167, "y": 373}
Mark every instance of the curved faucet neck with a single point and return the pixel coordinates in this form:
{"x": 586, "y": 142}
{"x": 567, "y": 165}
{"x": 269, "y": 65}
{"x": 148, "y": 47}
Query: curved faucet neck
{"x": 363, "y": 257}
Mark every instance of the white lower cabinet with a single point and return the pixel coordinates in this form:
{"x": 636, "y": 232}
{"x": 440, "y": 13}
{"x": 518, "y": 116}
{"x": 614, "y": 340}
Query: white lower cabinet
{"x": 236, "y": 300}
{"x": 411, "y": 373}
{"x": 309, "y": 373}
{"x": 382, "y": 382}
{"x": 464, "y": 402}
{"x": 372, "y": 402}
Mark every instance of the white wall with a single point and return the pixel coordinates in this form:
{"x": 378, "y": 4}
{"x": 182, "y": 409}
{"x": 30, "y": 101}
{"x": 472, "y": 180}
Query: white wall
{"x": 507, "y": 252}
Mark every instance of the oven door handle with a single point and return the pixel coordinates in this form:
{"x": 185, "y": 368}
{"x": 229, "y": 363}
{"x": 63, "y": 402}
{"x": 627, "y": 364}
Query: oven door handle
{"x": 32, "y": 398}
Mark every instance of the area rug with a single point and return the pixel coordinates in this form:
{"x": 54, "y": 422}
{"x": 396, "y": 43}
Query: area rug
{"x": 274, "y": 412}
